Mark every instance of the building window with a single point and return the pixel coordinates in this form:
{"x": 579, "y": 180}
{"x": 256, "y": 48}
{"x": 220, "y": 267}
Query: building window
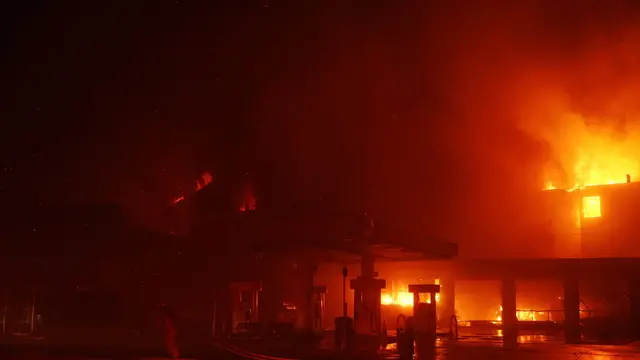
{"x": 591, "y": 207}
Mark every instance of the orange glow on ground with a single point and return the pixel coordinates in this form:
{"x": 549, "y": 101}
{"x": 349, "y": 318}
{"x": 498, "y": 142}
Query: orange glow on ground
{"x": 591, "y": 207}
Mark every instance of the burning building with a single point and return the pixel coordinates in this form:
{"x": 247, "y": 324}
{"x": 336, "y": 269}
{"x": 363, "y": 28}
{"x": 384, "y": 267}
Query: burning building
{"x": 593, "y": 221}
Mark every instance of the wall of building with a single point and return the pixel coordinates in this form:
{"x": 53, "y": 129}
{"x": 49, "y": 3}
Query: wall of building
{"x": 612, "y": 234}
{"x": 616, "y": 232}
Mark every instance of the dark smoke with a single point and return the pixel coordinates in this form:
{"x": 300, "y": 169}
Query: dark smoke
{"x": 448, "y": 119}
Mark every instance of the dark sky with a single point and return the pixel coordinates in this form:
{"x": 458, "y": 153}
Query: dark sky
{"x": 399, "y": 108}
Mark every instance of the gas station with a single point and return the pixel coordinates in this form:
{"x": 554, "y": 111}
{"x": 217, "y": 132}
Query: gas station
{"x": 249, "y": 300}
{"x": 295, "y": 278}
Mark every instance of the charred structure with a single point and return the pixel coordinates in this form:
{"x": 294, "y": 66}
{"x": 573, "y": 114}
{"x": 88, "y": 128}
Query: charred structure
{"x": 594, "y": 221}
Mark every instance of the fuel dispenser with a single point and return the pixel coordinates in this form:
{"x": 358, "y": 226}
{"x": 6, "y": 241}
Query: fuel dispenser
{"x": 404, "y": 337}
{"x": 244, "y": 305}
{"x": 424, "y": 317}
{"x": 318, "y": 307}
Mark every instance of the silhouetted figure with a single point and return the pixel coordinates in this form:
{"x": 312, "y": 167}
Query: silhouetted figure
{"x": 405, "y": 340}
{"x": 169, "y": 327}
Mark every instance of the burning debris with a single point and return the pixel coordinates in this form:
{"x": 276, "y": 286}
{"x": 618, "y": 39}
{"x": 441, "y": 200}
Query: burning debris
{"x": 402, "y": 297}
{"x": 205, "y": 179}
{"x": 248, "y": 198}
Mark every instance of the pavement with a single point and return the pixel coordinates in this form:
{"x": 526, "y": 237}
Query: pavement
{"x": 465, "y": 349}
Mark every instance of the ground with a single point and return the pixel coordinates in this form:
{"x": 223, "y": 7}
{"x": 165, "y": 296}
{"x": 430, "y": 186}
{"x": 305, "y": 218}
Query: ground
{"x": 471, "y": 349}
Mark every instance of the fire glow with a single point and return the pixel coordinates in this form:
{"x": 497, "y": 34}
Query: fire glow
{"x": 593, "y": 157}
{"x": 524, "y": 315}
{"x": 205, "y": 179}
{"x": 591, "y": 207}
{"x": 403, "y": 297}
{"x": 587, "y": 155}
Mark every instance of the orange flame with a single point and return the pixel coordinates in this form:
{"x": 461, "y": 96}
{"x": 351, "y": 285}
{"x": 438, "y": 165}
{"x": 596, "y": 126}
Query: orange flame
{"x": 402, "y": 297}
{"x": 524, "y": 315}
{"x": 248, "y": 199}
{"x": 205, "y": 179}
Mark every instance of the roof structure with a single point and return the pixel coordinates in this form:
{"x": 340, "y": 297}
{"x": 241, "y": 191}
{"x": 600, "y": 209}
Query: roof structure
{"x": 312, "y": 227}
{"x": 330, "y": 236}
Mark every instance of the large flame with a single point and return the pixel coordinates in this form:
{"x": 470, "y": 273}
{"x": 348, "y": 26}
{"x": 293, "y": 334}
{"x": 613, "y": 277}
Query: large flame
{"x": 593, "y": 155}
{"x": 584, "y": 106}
{"x": 205, "y": 179}
{"x": 525, "y": 315}
{"x": 402, "y": 296}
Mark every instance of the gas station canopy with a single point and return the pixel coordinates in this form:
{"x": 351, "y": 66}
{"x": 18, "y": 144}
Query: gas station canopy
{"x": 336, "y": 237}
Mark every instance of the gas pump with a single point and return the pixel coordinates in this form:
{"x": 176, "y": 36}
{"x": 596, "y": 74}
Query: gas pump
{"x": 244, "y": 305}
{"x": 424, "y": 313}
{"x": 318, "y": 306}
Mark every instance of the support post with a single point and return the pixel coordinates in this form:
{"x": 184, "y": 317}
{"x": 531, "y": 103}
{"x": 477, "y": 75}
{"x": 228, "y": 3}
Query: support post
{"x": 304, "y": 307}
{"x": 509, "y": 315}
{"x": 366, "y": 314}
{"x": 318, "y": 307}
{"x": 447, "y": 303}
{"x": 32, "y": 327}
{"x": 571, "y": 311}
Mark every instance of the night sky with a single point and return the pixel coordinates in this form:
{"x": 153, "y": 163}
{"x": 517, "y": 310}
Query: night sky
{"x": 398, "y": 108}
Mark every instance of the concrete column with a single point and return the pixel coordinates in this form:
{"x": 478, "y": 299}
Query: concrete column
{"x": 377, "y": 312}
{"x": 571, "y": 311}
{"x": 366, "y": 311}
{"x": 306, "y": 272}
{"x": 634, "y": 306}
{"x": 357, "y": 302}
{"x": 509, "y": 316}
{"x": 447, "y": 303}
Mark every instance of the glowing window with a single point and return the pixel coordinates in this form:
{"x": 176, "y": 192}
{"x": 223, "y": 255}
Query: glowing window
{"x": 591, "y": 207}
